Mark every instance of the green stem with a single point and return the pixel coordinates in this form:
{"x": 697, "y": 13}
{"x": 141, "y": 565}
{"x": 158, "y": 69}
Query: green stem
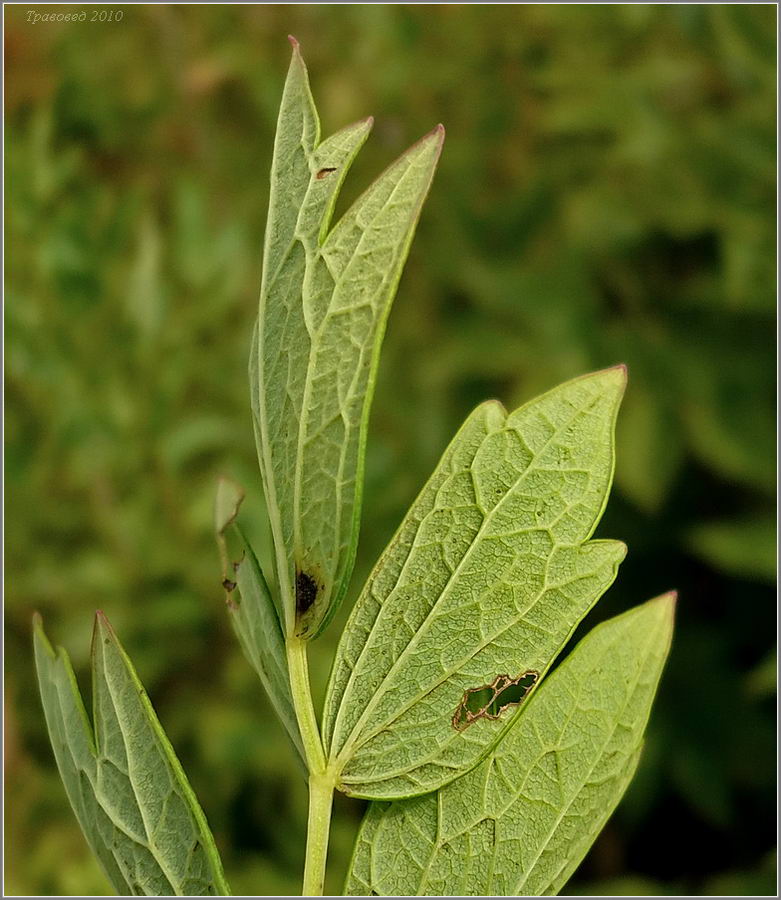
{"x": 321, "y": 779}
{"x": 302, "y": 702}
{"x": 321, "y": 794}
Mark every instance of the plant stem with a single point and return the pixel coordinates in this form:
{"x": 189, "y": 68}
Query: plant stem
{"x": 302, "y": 701}
{"x": 321, "y": 794}
{"x": 321, "y": 780}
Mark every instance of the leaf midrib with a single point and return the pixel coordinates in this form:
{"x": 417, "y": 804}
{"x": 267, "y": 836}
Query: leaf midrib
{"x": 311, "y": 255}
{"x": 617, "y": 720}
{"x": 153, "y": 848}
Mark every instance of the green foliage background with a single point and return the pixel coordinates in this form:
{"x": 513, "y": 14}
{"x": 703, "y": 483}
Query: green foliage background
{"x": 606, "y": 194}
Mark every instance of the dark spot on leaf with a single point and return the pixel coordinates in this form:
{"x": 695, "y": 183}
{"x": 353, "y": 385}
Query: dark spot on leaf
{"x": 306, "y": 592}
{"x": 238, "y": 563}
{"x": 228, "y": 584}
{"x": 106, "y": 640}
{"x": 324, "y": 172}
{"x": 490, "y": 700}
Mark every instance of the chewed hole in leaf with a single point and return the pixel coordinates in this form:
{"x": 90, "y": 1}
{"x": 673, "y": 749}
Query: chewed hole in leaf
{"x": 490, "y": 700}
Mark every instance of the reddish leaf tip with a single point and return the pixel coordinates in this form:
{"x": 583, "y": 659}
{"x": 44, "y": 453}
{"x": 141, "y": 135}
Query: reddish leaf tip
{"x": 102, "y": 622}
{"x": 293, "y": 42}
{"x": 669, "y": 600}
{"x": 620, "y": 372}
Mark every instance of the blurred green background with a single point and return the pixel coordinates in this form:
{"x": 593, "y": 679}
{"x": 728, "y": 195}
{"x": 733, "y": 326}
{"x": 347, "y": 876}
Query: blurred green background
{"x": 606, "y": 194}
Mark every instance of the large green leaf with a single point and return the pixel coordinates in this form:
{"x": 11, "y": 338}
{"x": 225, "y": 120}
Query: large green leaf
{"x": 255, "y": 619}
{"x": 488, "y": 576}
{"x": 127, "y": 788}
{"x": 324, "y": 300}
{"x": 521, "y": 822}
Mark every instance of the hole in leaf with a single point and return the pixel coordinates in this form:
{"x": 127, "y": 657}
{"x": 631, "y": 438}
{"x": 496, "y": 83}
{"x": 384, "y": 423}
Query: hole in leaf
{"x": 306, "y": 592}
{"x": 490, "y": 700}
{"x": 324, "y": 173}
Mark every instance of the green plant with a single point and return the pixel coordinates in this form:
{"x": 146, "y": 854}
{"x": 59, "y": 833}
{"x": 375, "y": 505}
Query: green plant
{"x": 486, "y": 775}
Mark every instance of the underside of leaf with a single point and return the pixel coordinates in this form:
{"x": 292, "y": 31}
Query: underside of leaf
{"x": 257, "y": 622}
{"x": 325, "y": 297}
{"x": 127, "y": 788}
{"x": 489, "y": 574}
{"x": 520, "y": 823}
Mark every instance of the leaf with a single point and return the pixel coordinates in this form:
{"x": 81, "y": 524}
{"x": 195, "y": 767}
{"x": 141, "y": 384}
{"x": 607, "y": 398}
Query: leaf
{"x": 521, "y": 822}
{"x": 324, "y": 300}
{"x": 488, "y": 575}
{"x": 255, "y": 620}
{"x": 227, "y": 500}
{"x": 743, "y": 547}
{"x": 126, "y": 786}
{"x": 649, "y": 448}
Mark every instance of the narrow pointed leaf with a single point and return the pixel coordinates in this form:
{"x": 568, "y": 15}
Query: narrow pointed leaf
{"x": 323, "y": 305}
{"x": 126, "y": 786}
{"x": 255, "y": 619}
{"x": 521, "y": 822}
{"x": 486, "y": 579}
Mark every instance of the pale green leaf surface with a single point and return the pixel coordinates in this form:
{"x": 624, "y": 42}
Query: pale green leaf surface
{"x": 227, "y": 500}
{"x": 489, "y": 574}
{"x": 256, "y": 620}
{"x": 323, "y": 305}
{"x": 127, "y": 788}
{"x": 521, "y": 822}
{"x": 257, "y": 626}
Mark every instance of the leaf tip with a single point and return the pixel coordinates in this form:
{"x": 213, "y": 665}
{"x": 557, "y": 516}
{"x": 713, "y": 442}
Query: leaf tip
{"x": 102, "y": 625}
{"x": 658, "y": 613}
{"x": 437, "y": 135}
{"x": 294, "y": 43}
{"x": 39, "y": 636}
{"x": 666, "y": 603}
{"x": 617, "y": 375}
{"x": 102, "y": 634}
{"x": 228, "y": 498}
{"x": 432, "y": 140}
